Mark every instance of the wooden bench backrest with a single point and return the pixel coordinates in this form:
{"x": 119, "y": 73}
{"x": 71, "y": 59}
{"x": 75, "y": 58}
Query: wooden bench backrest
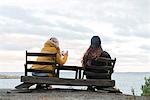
{"x": 29, "y": 62}
{"x": 101, "y": 71}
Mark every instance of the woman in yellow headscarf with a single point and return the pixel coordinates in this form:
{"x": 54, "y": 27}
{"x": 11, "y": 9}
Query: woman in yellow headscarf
{"x": 51, "y": 46}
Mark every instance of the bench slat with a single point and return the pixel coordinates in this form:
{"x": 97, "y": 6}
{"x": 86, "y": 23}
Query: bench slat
{"x": 103, "y": 59}
{"x": 40, "y": 71}
{"x": 100, "y": 67}
{"x": 40, "y": 63}
{"x": 41, "y": 54}
{"x": 71, "y": 82}
{"x": 97, "y": 75}
{"x": 74, "y": 68}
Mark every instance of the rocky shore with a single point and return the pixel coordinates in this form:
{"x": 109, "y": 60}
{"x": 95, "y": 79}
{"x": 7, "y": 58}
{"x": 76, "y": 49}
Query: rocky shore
{"x": 67, "y": 95}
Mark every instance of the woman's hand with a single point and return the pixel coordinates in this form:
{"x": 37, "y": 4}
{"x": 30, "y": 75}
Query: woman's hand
{"x": 64, "y": 53}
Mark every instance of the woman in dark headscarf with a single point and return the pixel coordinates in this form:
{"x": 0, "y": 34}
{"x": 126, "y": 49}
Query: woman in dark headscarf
{"x": 94, "y": 51}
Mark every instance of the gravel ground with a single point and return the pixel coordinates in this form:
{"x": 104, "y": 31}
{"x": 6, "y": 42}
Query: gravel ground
{"x": 66, "y": 95}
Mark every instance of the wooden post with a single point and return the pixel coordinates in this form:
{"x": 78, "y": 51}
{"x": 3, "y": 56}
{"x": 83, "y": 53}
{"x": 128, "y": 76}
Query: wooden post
{"x": 79, "y": 73}
{"x": 76, "y": 74}
{"x": 57, "y": 72}
{"x": 26, "y": 65}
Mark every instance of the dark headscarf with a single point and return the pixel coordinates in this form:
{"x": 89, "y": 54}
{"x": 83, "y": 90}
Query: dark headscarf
{"x": 95, "y": 42}
{"x": 93, "y": 52}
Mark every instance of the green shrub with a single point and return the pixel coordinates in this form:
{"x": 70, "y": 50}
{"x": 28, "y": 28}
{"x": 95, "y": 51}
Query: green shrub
{"x": 146, "y": 87}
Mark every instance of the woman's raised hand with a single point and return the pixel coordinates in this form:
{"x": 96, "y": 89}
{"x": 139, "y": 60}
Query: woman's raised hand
{"x": 64, "y": 53}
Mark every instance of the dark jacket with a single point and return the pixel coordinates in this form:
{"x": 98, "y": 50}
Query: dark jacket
{"x": 103, "y": 54}
{"x": 98, "y": 64}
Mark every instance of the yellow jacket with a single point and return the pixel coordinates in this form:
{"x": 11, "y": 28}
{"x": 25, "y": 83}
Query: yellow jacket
{"x": 50, "y": 48}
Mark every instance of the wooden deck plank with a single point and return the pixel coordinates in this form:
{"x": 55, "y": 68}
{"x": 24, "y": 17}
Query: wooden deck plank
{"x": 71, "y": 82}
{"x": 24, "y": 85}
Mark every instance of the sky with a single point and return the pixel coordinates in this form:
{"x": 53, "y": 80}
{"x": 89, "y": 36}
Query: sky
{"x": 123, "y": 26}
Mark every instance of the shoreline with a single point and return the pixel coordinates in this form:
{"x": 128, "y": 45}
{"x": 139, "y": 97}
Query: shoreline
{"x": 67, "y": 95}
{"x": 9, "y": 77}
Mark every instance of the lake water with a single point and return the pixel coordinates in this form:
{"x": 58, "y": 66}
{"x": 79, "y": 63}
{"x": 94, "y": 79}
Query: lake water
{"x": 125, "y": 81}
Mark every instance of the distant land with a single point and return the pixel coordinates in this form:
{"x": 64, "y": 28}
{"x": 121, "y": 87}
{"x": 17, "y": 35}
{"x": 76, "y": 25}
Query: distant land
{"x": 9, "y": 77}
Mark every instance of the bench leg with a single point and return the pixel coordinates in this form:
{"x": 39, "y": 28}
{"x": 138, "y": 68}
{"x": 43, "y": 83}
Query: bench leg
{"x": 57, "y": 74}
{"x": 79, "y": 74}
{"x": 76, "y": 74}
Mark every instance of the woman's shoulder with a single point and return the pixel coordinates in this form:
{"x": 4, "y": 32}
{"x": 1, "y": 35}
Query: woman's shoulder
{"x": 105, "y": 54}
{"x": 50, "y": 49}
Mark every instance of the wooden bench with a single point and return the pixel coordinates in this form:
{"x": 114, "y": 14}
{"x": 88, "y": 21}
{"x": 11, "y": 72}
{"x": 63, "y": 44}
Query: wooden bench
{"x": 31, "y": 62}
{"x": 77, "y": 81}
{"x": 102, "y": 70}
{"x": 53, "y": 63}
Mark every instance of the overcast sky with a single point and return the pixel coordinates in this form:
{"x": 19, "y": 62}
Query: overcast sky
{"x": 123, "y": 26}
